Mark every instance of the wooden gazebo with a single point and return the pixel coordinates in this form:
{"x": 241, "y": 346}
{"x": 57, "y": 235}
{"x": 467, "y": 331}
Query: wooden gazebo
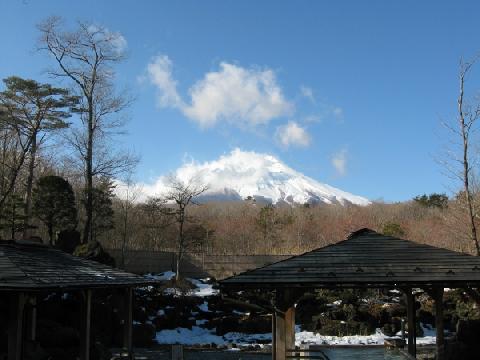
{"x": 366, "y": 259}
{"x": 29, "y": 269}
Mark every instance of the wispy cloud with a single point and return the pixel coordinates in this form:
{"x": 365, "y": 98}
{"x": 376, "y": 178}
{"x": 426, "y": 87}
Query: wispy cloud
{"x": 160, "y": 73}
{"x": 337, "y": 113}
{"x": 339, "y": 162}
{"x": 234, "y": 94}
{"x": 307, "y": 92}
{"x": 292, "y": 134}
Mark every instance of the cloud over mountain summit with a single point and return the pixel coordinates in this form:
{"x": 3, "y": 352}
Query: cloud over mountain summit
{"x": 240, "y": 174}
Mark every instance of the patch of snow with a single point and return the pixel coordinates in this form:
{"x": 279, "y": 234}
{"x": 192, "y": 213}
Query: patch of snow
{"x": 204, "y": 307}
{"x": 308, "y": 337}
{"x": 167, "y": 275}
{"x": 201, "y": 288}
{"x": 201, "y": 336}
{"x": 196, "y": 336}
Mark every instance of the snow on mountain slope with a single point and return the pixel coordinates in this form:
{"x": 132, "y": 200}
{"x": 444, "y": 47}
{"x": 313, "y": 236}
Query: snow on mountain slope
{"x": 241, "y": 174}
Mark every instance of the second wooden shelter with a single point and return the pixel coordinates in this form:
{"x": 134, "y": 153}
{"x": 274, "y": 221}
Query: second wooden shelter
{"x": 366, "y": 259}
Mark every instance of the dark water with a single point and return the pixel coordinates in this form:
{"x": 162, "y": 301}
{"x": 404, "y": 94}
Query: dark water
{"x": 356, "y": 353}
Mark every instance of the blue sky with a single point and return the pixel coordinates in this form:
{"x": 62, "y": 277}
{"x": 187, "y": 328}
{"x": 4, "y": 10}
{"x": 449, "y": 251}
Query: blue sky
{"x": 350, "y": 93}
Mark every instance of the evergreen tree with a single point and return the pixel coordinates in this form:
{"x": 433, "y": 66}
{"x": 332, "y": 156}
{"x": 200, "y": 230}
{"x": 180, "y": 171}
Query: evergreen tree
{"x": 33, "y": 111}
{"x": 433, "y": 200}
{"x": 12, "y": 217}
{"x": 393, "y": 229}
{"x": 54, "y": 204}
{"x": 102, "y": 219}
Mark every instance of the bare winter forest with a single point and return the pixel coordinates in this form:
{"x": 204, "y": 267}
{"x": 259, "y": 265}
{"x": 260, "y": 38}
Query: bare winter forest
{"x": 248, "y": 228}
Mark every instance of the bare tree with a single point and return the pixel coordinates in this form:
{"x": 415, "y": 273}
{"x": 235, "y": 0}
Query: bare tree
{"x": 460, "y": 164}
{"x": 468, "y": 115}
{"x": 86, "y": 57}
{"x": 182, "y": 195}
{"x": 128, "y": 192}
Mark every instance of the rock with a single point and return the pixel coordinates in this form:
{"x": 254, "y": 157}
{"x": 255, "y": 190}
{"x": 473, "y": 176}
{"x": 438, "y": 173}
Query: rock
{"x": 95, "y": 252}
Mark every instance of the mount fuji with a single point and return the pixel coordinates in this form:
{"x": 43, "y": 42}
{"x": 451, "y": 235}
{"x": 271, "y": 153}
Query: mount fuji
{"x": 245, "y": 174}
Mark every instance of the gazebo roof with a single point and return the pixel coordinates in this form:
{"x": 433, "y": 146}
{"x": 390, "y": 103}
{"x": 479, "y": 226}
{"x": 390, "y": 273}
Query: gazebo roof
{"x": 366, "y": 259}
{"x": 28, "y": 266}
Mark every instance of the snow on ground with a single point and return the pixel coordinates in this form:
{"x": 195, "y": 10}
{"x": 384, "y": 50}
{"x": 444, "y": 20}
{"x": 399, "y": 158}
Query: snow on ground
{"x": 196, "y": 336}
{"x": 202, "y": 288}
{"x": 201, "y": 336}
{"x": 167, "y": 275}
{"x": 308, "y": 337}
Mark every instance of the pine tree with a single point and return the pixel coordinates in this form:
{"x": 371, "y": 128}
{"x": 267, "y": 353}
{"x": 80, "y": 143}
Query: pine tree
{"x": 54, "y": 204}
{"x": 33, "y": 111}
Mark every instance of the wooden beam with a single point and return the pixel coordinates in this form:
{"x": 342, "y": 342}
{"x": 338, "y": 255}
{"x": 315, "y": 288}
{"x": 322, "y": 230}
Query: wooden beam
{"x": 85, "y": 327}
{"x": 411, "y": 322}
{"x": 440, "y": 343}
{"x": 15, "y": 326}
{"x": 128, "y": 321}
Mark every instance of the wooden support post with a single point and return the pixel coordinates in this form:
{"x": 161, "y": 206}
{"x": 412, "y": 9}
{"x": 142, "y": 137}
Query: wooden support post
{"x": 274, "y": 335}
{"x": 280, "y": 336}
{"x": 33, "y": 318}
{"x": 283, "y": 334}
{"x": 290, "y": 328}
{"x": 411, "y": 322}
{"x": 128, "y": 321}
{"x": 85, "y": 322}
{"x": 15, "y": 326}
{"x": 440, "y": 343}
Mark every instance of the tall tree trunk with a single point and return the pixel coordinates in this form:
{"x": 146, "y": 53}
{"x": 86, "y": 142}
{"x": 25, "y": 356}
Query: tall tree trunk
{"x": 29, "y": 186}
{"x": 466, "y": 166}
{"x": 124, "y": 235}
{"x": 88, "y": 230}
{"x": 180, "y": 241}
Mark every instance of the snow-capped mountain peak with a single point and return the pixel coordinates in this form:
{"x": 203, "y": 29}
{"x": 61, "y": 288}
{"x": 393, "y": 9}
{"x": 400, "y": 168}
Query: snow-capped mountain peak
{"x": 243, "y": 174}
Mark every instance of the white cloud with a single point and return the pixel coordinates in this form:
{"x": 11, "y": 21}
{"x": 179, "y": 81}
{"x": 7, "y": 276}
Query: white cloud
{"x": 339, "y": 162}
{"x": 160, "y": 73}
{"x": 232, "y": 94}
{"x": 307, "y": 92}
{"x": 292, "y": 134}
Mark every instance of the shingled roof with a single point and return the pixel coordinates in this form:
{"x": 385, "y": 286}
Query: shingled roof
{"x": 366, "y": 259}
{"x": 37, "y": 267}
